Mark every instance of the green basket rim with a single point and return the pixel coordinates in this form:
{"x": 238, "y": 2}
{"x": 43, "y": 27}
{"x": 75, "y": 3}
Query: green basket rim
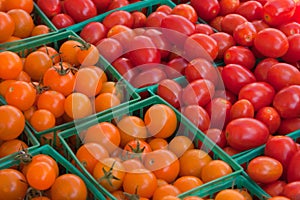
{"x": 237, "y": 169}
{"x": 48, "y": 150}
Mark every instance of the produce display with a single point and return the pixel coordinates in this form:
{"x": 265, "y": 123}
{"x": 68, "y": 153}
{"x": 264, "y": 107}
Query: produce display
{"x": 150, "y": 99}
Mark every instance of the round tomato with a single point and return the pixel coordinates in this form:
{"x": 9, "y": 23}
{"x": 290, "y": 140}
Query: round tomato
{"x": 246, "y": 133}
{"x": 78, "y": 105}
{"x": 144, "y": 184}
{"x": 42, "y": 119}
{"x": 69, "y": 186}
{"x": 287, "y": 101}
{"x": 197, "y": 115}
{"x": 7, "y": 27}
{"x": 13, "y": 184}
{"x": 264, "y": 169}
{"x": 215, "y": 169}
{"x": 23, "y": 22}
{"x": 110, "y": 48}
{"x": 88, "y": 32}
{"x": 229, "y": 194}
{"x": 118, "y": 17}
{"x": 26, "y": 5}
{"x": 11, "y": 65}
{"x": 185, "y": 10}
{"x": 271, "y": 42}
{"x": 137, "y": 149}
{"x": 185, "y": 183}
{"x": 52, "y": 101}
{"x": 12, "y": 146}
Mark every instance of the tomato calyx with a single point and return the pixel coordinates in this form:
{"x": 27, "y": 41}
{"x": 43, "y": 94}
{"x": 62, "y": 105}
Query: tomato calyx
{"x": 108, "y": 175}
{"x": 134, "y": 196}
{"x": 23, "y": 156}
{"x": 62, "y": 71}
{"x": 32, "y": 192}
{"x": 39, "y": 88}
{"x": 84, "y": 45}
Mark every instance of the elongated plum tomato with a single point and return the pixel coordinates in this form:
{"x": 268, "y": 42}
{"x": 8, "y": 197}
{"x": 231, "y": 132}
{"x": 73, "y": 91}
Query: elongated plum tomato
{"x": 246, "y": 133}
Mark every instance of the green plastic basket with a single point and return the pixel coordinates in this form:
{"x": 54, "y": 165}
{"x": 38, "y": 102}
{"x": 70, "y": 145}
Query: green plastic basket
{"x": 138, "y": 109}
{"x": 64, "y": 165}
{"x": 235, "y": 182}
{"x": 128, "y": 93}
{"x": 39, "y": 18}
{"x": 26, "y": 136}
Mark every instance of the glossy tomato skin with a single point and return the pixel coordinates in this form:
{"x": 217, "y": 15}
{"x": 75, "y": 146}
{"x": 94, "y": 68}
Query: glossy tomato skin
{"x": 93, "y": 32}
{"x": 241, "y": 108}
{"x": 207, "y": 9}
{"x": 231, "y": 21}
{"x": 176, "y": 67}
{"x": 83, "y": 10}
{"x": 143, "y": 51}
{"x": 224, "y": 41}
{"x": 287, "y": 101}
{"x": 290, "y": 28}
{"x": 275, "y": 188}
{"x": 277, "y": 12}
{"x": 62, "y": 20}
{"x": 110, "y": 48}
{"x": 201, "y": 68}
{"x": 244, "y": 34}
{"x": 251, "y": 10}
{"x": 288, "y": 125}
{"x": 170, "y": 90}
{"x": 240, "y": 55}
{"x": 260, "y": 94}
{"x": 118, "y": 17}
{"x": 246, "y": 133}
{"x": 50, "y": 8}
{"x": 293, "y": 173}
{"x": 148, "y": 76}
{"x": 197, "y": 115}
{"x": 262, "y": 68}
{"x": 271, "y": 42}
{"x": 269, "y": 116}
{"x": 292, "y": 190}
{"x": 198, "y": 92}
{"x": 293, "y": 53}
{"x": 236, "y": 76}
{"x": 282, "y": 148}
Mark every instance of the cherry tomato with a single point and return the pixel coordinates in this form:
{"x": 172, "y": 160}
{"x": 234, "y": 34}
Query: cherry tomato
{"x": 236, "y": 76}
{"x": 170, "y": 90}
{"x": 241, "y": 108}
{"x": 176, "y": 67}
{"x": 198, "y": 92}
{"x": 201, "y": 45}
{"x": 26, "y": 5}
{"x": 83, "y": 10}
{"x": 292, "y": 55}
{"x": 186, "y": 183}
{"x": 23, "y": 22}
{"x": 244, "y": 34}
{"x": 270, "y": 117}
{"x": 78, "y": 105}
{"x": 93, "y": 32}
{"x": 271, "y": 42}
{"x": 187, "y": 11}
{"x": 264, "y": 169}
{"x": 139, "y": 19}
{"x": 197, "y": 115}
{"x": 207, "y": 9}
{"x": 240, "y": 55}
{"x": 69, "y": 186}
{"x": 231, "y": 21}
{"x": 215, "y": 169}
{"x": 50, "y": 8}
{"x": 62, "y": 20}
{"x": 292, "y": 172}
{"x": 262, "y": 68}
{"x": 42, "y": 119}
{"x": 13, "y": 184}
{"x": 291, "y": 190}
{"x": 155, "y": 19}
{"x": 290, "y": 28}
{"x": 246, "y": 133}
{"x": 287, "y": 101}
{"x": 228, "y": 6}
{"x": 204, "y": 28}
{"x": 288, "y": 126}
{"x": 251, "y": 10}
{"x": 277, "y": 12}
{"x": 137, "y": 149}
{"x": 281, "y": 148}
{"x": 224, "y": 41}
{"x": 119, "y": 17}
{"x": 11, "y": 65}
{"x": 7, "y": 27}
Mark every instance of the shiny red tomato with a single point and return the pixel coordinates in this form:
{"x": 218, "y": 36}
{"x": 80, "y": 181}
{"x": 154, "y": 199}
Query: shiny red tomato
{"x": 83, "y": 10}
{"x": 236, "y": 76}
{"x": 275, "y": 188}
{"x": 241, "y": 108}
{"x": 287, "y": 101}
{"x": 204, "y": 28}
{"x": 50, "y": 7}
{"x": 206, "y": 9}
{"x": 118, "y": 17}
{"x": 110, "y": 48}
{"x": 201, "y": 45}
{"x": 224, "y": 41}
{"x": 269, "y": 116}
{"x": 93, "y": 32}
{"x": 293, "y": 174}
{"x": 271, "y": 42}
{"x": 217, "y": 136}
{"x": 251, "y": 10}
{"x": 185, "y": 10}
{"x": 169, "y": 90}
{"x": 290, "y": 28}
{"x": 231, "y": 21}
{"x": 262, "y": 68}
{"x": 281, "y": 148}
{"x": 228, "y": 6}
{"x": 293, "y": 53}
{"x": 62, "y": 20}
{"x": 198, "y": 92}
{"x": 260, "y": 94}
{"x": 143, "y": 51}
{"x": 277, "y": 12}
{"x": 219, "y": 111}
{"x": 289, "y": 125}
{"x": 240, "y": 55}
{"x": 176, "y": 67}
{"x": 155, "y": 18}
{"x": 197, "y": 115}
{"x": 102, "y": 5}
{"x": 246, "y": 133}
{"x": 292, "y": 190}
{"x": 200, "y": 68}
{"x": 148, "y": 75}
{"x": 244, "y": 34}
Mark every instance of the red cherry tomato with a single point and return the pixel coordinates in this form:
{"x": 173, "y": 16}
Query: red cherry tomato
{"x": 206, "y": 9}
{"x": 240, "y": 55}
{"x": 290, "y": 28}
{"x": 241, "y": 108}
{"x": 80, "y": 10}
{"x": 246, "y": 133}
{"x": 271, "y": 42}
{"x": 262, "y": 68}
{"x": 224, "y": 41}
{"x": 231, "y": 21}
{"x": 93, "y": 32}
{"x": 50, "y": 7}
{"x": 197, "y": 115}
{"x": 251, "y": 10}
{"x": 293, "y": 53}
{"x": 62, "y": 20}
{"x": 119, "y": 17}
{"x": 270, "y": 117}
{"x": 244, "y": 34}
{"x": 170, "y": 90}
